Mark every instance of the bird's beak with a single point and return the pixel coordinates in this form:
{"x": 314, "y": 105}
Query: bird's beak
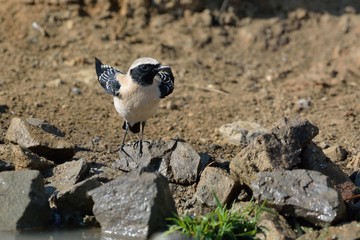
{"x": 158, "y": 69}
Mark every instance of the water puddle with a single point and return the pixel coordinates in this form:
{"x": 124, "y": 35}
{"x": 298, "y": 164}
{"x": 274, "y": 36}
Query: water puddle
{"x": 76, "y": 234}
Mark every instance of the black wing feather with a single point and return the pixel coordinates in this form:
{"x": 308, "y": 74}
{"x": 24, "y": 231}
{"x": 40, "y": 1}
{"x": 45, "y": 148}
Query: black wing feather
{"x": 166, "y": 83}
{"x": 107, "y": 77}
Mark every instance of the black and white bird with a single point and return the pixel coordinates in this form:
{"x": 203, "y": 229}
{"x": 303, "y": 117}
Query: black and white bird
{"x": 137, "y": 92}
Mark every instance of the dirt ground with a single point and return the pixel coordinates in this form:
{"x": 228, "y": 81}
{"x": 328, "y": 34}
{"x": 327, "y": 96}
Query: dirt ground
{"x": 232, "y": 60}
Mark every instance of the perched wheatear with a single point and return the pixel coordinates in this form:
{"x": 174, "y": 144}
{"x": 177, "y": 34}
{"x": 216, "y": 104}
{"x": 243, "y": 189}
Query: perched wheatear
{"x": 138, "y": 92}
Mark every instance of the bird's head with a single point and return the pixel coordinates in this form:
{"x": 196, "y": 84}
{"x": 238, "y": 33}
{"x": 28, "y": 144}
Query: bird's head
{"x": 143, "y": 70}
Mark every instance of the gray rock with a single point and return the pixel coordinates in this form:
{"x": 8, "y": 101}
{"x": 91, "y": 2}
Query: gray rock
{"x": 348, "y": 231}
{"x": 313, "y": 158}
{"x": 23, "y": 201}
{"x": 277, "y": 150}
{"x": 300, "y": 193}
{"x": 294, "y": 132}
{"x": 216, "y": 181}
{"x": 75, "y": 199}
{"x": 64, "y": 176}
{"x": 274, "y": 226}
{"x": 133, "y": 206}
{"x": 241, "y": 133}
{"x": 336, "y": 153}
{"x": 41, "y": 138}
{"x": 176, "y": 160}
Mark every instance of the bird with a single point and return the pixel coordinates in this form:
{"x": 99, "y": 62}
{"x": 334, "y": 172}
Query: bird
{"x": 136, "y": 93}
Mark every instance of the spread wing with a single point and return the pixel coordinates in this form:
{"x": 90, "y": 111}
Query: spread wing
{"x": 166, "y": 83}
{"x": 107, "y": 77}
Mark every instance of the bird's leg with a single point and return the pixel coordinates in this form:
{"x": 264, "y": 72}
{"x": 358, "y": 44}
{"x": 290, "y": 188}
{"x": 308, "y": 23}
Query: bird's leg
{"x": 141, "y": 138}
{"x": 126, "y": 130}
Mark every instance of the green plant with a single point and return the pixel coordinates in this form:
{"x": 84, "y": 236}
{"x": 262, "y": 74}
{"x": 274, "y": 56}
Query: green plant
{"x": 221, "y": 223}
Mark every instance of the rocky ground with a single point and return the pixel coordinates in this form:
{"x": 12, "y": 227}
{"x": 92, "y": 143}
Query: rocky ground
{"x": 239, "y": 67}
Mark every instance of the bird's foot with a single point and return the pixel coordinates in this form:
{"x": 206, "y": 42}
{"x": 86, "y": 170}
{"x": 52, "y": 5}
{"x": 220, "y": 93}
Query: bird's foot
{"x": 139, "y": 144}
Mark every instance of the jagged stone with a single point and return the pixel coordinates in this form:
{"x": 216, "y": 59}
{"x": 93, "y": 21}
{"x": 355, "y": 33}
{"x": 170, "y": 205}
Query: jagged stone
{"x": 176, "y": 160}
{"x": 348, "y": 231}
{"x": 336, "y": 153}
{"x": 75, "y": 199}
{"x": 300, "y": 193}
{"x": 277, "y": 150}
{"x": 67, "y": 174}
{"x": 241, "y": 133}
{"x": 274, "y": 226}
{"x": 216, "y": 181}
{"x": 313, "y": 158}
{"x": 41, "y": 138}
{"x": 134, "y": 206}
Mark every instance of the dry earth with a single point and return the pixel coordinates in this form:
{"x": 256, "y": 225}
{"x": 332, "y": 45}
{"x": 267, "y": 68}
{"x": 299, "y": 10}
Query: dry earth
{"x": 249, "y": 61}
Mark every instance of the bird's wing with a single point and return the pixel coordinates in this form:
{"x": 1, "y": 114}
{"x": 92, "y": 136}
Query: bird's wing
{"x": 166, "y": 85}
{"x": 107, "y": 77}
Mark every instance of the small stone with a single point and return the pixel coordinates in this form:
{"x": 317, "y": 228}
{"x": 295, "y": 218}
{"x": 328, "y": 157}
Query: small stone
{"x": 300, "y": 193}
{"x": 76, "y": 91}
{"x": 135, "y": 205}
{"x": 336, "y": 153}
{"x": 216, "y": 181}
{"x": 23, "y": 205}
{"x": 241, "y": 133}
{"x": 348, "y": 231}
{"x": 54, "y": 83}
{"x": 67, "y": 174}
{"x": 274, "y": 226}
{"x": 303, "y": 103}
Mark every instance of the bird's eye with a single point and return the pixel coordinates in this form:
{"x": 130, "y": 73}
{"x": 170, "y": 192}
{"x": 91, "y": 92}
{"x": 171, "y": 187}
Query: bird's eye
{"x": 144, "y": 67}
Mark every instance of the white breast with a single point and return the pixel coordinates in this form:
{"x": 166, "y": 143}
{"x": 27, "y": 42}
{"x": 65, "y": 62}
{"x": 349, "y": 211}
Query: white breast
{"x": 137, "y": 103}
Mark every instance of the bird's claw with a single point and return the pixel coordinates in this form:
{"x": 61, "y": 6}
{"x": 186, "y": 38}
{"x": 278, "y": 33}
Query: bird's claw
{"x": 139, "y": 144}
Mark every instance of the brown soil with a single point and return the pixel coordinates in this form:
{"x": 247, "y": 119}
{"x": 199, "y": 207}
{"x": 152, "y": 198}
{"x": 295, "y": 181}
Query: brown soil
{"x": 253, "y": 62}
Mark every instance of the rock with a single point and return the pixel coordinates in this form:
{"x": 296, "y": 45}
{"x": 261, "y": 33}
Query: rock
{"x": 277, "y": 150}
{"x": 41, "y": 138}
{"x": 241, "y": 132}
{"x": 300, "y": 193}
{"x": 295, "y": 132}
{"x": 66, "y": 175}
{"x": 313, "y": 158}
{"x": 56, "y": 83}
{"x": 216, "y": 181}
{"x": 134, "y": 206}
{"x": 23, "y": 201}
{"x": 75, "y": 199}
{"x": 348, "y": 231}
{"x": 176, "y": 160}
{"x": 23, "y": 158}
{"x": 336, "y": 153}
{"x": 274, "y": 226}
